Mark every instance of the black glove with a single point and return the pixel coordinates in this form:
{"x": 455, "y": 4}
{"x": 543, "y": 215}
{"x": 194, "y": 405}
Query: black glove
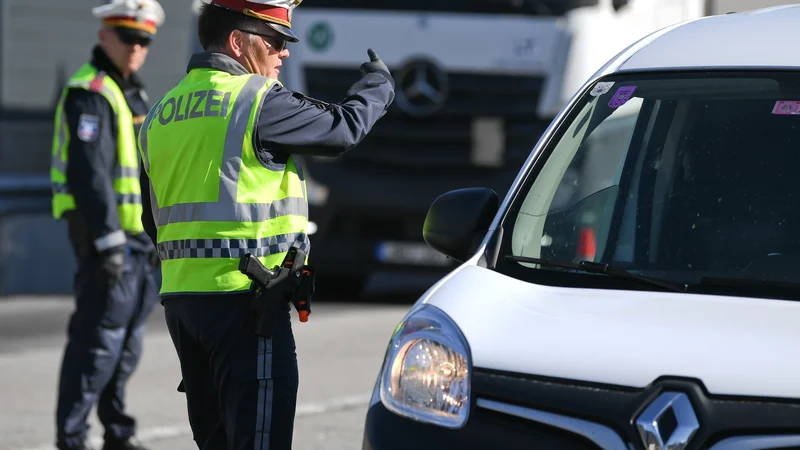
{"x": 374, "y": 65}
{"x": 112, "y": 264}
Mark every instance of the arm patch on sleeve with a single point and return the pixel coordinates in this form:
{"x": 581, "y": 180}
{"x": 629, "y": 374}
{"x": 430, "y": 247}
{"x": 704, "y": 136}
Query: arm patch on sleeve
{"x": 88, "y": 127}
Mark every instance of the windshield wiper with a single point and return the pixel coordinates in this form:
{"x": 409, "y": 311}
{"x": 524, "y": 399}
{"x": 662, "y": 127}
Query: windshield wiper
{"x": 593, "y": 267}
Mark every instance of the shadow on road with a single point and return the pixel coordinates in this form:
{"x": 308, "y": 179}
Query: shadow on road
{"x": 379, "y": 288}
{"x": 395, "y": 297}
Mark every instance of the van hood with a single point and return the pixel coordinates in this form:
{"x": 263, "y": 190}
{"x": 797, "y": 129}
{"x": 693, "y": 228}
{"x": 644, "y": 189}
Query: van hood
{"x": 735, "y": 346}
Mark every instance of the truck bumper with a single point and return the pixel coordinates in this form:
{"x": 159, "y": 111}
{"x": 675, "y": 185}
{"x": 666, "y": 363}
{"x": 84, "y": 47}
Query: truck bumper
{"x": 369, "y": 222}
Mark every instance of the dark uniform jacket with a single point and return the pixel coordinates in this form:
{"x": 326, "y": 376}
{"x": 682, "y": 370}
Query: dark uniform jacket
{"x": 292, "y": 124}
{"x": 90, "y": 172}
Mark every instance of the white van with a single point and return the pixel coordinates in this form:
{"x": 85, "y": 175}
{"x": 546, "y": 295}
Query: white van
{"x": 638, "y": 287}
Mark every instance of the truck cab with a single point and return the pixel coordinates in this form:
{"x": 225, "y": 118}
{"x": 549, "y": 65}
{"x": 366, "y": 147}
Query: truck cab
{"x": 476, "y": 85}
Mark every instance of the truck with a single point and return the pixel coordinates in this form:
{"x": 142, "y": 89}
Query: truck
{"x": 477, "y": 82}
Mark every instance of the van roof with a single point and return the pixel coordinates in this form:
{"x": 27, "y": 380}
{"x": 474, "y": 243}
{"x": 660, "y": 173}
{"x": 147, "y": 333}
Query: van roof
{"x": 763, "y": 38}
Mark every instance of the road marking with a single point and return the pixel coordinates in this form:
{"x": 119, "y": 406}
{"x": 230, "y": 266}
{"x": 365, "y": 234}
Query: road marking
{"x": 172, "y": 432}
{"x": 337, "y": 404}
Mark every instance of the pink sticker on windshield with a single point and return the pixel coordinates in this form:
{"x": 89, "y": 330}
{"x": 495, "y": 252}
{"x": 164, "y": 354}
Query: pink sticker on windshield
{"x": 623, "y": 94}
{"x": 786, "y": 108}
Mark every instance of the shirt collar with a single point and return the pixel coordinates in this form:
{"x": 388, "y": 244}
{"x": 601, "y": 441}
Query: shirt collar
{"x": 216, "y": 61}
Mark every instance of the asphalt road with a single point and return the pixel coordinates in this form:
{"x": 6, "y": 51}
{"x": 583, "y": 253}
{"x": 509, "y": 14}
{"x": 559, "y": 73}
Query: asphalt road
{"x": 339, "y": 350}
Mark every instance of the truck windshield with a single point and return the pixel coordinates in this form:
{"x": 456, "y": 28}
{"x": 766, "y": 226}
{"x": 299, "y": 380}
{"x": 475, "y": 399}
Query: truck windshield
{"x": 688, "y": 178}
{"x": 527, "y": 7}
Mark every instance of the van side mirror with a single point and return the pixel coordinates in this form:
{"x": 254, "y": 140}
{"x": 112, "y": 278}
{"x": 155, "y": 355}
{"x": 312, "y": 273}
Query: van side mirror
{"x": 458, "y": 220}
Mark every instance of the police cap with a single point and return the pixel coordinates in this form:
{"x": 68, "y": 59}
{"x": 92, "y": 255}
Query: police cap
{"x": 136, "y": 17}
{"x": 276, "y": 13}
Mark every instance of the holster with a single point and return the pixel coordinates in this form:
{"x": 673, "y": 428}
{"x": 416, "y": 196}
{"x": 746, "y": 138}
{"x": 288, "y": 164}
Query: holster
{"x": 266, "y": 307}
{"x": 292, "y": 281}
{"x": 305, "y": 289}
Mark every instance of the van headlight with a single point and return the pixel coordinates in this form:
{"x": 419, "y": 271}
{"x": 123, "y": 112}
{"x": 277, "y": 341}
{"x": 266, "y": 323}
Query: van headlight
{"x": 426, "y": 373}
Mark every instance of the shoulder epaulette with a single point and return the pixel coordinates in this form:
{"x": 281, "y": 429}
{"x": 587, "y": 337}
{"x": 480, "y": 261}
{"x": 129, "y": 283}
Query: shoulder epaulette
{"x": 97, "y": 83}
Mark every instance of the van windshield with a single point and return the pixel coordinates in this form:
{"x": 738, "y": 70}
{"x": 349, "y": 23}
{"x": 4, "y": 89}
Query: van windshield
{"x": 680, "y": 177}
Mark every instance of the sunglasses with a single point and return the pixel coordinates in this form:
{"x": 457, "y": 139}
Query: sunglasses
{"x": 275, "y": 42}
{"x": 132, "y": 38}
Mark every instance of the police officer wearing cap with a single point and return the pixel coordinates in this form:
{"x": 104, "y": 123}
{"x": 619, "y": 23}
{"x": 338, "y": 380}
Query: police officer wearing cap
{"x": 96, "y": 189}
{"x": 219, "y": 151}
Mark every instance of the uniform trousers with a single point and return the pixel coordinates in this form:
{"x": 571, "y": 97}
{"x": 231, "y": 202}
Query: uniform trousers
{"x": 241, "y": 389}
{"x": 103, "y": 349}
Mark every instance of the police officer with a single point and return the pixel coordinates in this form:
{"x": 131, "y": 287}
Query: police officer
{"x": 219, "y": 151}
{"x": 96, "y": 183}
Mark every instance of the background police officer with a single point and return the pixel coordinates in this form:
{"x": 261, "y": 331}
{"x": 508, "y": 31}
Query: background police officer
{"x": 95, "y": 174}
{"x": 218, "y": 150}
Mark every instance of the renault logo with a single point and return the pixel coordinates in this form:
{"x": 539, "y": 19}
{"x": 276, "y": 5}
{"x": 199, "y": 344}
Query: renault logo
{"x": 669, "y": 423}
{"x": 421, "y": 88}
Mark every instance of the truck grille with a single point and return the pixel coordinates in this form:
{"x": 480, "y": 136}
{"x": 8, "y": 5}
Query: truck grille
{"x": 443, "y": 139}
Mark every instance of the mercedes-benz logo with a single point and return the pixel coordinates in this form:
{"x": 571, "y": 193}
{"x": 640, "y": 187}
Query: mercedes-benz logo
{"x": 669, "y": 423}
{"x": 421, "y": 88}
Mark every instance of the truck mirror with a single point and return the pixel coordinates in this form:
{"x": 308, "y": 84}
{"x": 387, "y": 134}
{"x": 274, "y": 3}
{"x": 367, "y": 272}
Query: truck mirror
{"x": 458, "y": 220}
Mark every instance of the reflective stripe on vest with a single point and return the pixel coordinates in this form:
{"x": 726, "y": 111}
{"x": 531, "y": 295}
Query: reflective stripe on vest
{"x": 204, "y": 228}
{"x": 126, "y": 173}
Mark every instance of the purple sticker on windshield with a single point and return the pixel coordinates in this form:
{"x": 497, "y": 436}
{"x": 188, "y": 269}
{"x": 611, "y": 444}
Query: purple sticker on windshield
{"x": 623, "y": 94}
{"x": 786, "y": 108}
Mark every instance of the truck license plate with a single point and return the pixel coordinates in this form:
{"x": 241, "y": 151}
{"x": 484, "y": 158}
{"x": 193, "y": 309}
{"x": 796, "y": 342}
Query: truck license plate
{"x": 410, "y": 253}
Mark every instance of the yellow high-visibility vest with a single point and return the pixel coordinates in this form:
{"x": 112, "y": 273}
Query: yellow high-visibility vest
{"x": 126, "y": 173}
{"x": 213, "y": 201}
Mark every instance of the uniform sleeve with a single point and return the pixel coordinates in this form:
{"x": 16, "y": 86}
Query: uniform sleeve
{"x": 290, "y": 122}
{"x": 92, "y": 155}
{"x": 147, "y": 214}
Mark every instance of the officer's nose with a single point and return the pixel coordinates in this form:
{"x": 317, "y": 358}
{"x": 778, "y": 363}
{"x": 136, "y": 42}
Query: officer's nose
{"x": 284, "y": 53}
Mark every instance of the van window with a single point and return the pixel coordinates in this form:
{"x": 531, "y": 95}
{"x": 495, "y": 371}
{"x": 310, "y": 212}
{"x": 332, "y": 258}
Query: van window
{"x": 679, "y": 177}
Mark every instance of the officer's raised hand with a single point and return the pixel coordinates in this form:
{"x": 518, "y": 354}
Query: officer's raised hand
{"x": 112, "y": 264}
{"x": 374, "y": 65}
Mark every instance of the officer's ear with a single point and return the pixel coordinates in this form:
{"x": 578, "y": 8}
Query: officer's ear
{"x": 236, "y": 42}
{"x": 102, "y": 34}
